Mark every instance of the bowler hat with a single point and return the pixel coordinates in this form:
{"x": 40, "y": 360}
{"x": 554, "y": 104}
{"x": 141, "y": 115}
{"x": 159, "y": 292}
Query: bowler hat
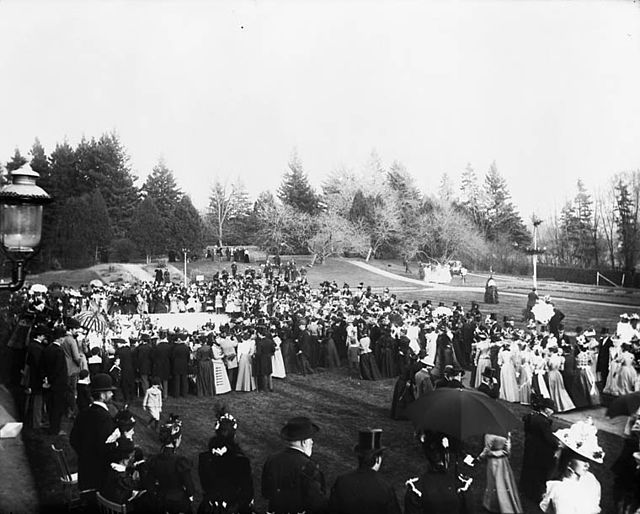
{"x": 299, "y": 429}
{"x": 369, "y": 441}
{"x": 102, "y": 382}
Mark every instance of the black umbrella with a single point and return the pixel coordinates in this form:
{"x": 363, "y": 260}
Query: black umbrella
{"x": 624, "y": 405}
{"x": 461, "y": 413}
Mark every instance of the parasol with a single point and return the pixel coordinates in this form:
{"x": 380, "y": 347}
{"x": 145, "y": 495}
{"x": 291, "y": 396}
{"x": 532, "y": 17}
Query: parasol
{"x": 96, "y": 282}
{"x": 543, "y": 312}
{"x": 624, "y": 405}
{"x": 461, "y": 413}
{"x": 38, "y": 288}
{"x": 92, "y": 320}
{"x": 442, "y": 311}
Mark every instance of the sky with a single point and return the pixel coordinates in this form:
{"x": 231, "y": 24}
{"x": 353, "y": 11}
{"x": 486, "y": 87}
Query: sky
{"x": 549, "y": 90}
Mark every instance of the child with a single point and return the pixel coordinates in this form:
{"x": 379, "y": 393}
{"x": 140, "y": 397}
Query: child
{"x": 152, "y": 402}
{"x": 84, "y": 395}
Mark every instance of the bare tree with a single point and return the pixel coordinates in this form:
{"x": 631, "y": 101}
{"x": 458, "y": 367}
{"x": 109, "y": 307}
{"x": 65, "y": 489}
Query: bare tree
{"x": 335, "y": 236}
{"x": 605, "y": 212}
{"x": 225, "y": 203}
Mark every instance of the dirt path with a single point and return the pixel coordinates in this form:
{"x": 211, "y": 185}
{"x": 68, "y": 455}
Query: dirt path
{"x": 138, "y": 272}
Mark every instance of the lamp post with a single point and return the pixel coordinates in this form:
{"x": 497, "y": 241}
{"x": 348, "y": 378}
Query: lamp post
{"x": 535, "y": 251}
{"x": 184, "y": 253}
{"x": 21, "y": 204}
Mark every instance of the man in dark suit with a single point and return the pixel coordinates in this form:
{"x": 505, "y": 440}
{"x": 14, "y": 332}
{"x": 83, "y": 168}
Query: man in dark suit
{"x": 161, "y": 362}
{"x": 89, "y": 434}
{"x": 262, "y": 366}
{"x": 489, "y": 384}
{"x": 363, "y": 491}
{"x": 539, "y": 450}
{"x": 142, "y": 360}
{"x": 180, "y": 365}
{"x": 54, "y": 365}
{"x": 127, "y": 379}
{"x": 291, "y": 481}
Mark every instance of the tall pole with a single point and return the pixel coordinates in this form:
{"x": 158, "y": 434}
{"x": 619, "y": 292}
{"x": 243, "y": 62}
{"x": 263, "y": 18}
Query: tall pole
{"x": 535, "y": 256}
{"x": 184, "y": 252}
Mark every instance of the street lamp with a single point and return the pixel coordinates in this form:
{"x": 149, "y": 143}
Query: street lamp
{"x": 21, "y": 203}
{"x": 184, "y": 252}
{"x": 535, "y": 251}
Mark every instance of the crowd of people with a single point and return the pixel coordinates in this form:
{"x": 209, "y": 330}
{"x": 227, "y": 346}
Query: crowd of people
{"x": 276, "y": 324}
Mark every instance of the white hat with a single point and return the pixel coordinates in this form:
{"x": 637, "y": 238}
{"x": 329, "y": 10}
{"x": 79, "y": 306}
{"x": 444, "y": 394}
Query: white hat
{"x": 581, "y": 437}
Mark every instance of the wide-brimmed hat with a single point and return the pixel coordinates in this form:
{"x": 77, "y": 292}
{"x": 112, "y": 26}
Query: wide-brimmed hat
{"x": 451, "y": 370}
{"x": 369, "y": 441}
{"x": 124, "y": 420}
{"x": 102, "y": 382}
{"x": 582, "y": 438}
{"x": 299, "y": 429}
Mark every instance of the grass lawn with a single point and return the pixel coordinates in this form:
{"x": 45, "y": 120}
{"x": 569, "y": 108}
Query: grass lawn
{"x": 339, "y": 404}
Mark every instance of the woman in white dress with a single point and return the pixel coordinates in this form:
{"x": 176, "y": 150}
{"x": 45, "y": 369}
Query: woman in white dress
{"x": 483, "y": 358}
{"x": 245, "y": 351}
{"x": 221, "y": 382}
{"x": 555, "y": 364}
{"x": 615, "y": 361}
{"x": 577, "y": 491}
{"x": 509, "y": 389}
{"x": 277, "y": 362}
{"x": 526, "y": 373}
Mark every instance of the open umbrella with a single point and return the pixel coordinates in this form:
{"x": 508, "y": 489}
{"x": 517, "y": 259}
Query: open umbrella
{"x": 461, "y": 413}
{"x": 96, "y": 282}
{"x": 92, "y": 320}
{"x": 624, "y": 405}
{"x": 38, "y": 288}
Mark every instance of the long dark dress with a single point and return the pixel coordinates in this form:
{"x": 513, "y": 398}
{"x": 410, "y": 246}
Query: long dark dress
{"x": 169, "y": 481}
{"x": 368, "y": 367}
{"x": 205, "y": 379}
{"x": 403, "y": 392}
{"x": 387, "y": 349}
{"x": 538, "y": 459}
{"x": 226, "y": 478}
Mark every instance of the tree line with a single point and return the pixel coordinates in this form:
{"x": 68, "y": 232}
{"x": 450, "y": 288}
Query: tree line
{"x": 100, "y": 214}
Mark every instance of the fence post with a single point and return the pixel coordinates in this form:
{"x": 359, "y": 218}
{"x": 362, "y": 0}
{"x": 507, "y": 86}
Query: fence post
{"x": 622, "y": 281}
{"x": 597, "y": 278}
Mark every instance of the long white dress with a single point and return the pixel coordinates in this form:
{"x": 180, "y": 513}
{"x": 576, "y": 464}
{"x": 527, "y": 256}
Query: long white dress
{"x": 277, "y": 362}
{"x": 509, "y": 389}
{"x": 221, "y": 382}
{"x": 245, "y": 350}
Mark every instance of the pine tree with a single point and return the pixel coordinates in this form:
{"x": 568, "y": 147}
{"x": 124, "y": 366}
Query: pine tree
{"x": 627, "y": 213}
{"x": 445, "y": 189}
{"x": 185, "y": 226}
{"x": 17, "y": 161}
{"x": 471, "y": 197}
{"x": 144, "y": 228}
{"x": 296, "y": 191}
{"x": 501, "y": 218}
{"x": 162, "y": 188}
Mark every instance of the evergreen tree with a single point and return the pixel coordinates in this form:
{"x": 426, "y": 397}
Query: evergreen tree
{"x": 144, "y": 228}
{"x": 97, "y": 224}
{"x": 445, "y": 189}
{"x": 501, "y": 218}
{"x": 627, "y": 212}
{"x": 162, "y": 188}
{"x": 104, "y": 165}
{"x": 471, "y": 197}
{"x": 185, "y": 226}
{"x": 296, "y": 191}
{"x": 17, "y": 161}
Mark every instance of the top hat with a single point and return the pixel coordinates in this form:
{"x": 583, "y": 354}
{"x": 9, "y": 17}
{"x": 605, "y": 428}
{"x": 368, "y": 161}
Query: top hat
{"x": 487, "y": 372}
{"x": 299, "y": 429}
{"x": 102, "y": 382}
{"x": 369, "y": 441}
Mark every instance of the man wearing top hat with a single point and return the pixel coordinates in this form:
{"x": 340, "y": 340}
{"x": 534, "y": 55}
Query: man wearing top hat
{"x": 489, "y": 384}
{"x": 90, "y": 432}
{"x": 363, "y": 491}
{"x": 291, "y": 480}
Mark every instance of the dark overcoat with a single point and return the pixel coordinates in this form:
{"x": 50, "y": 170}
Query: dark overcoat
{"x": 180, "y": 359}
{"x": 293, "y": 482}
{"x": 227, "y": 478}
{"x": 54, "y": 366}
{"x": 363, "y": 492}
{"x": 262, "y": 364}
{"x": 161, "y": 358}
{"x": 90, "y": 431}
{"x": 142, "y": 358}
{"x": 538, "y": 460}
